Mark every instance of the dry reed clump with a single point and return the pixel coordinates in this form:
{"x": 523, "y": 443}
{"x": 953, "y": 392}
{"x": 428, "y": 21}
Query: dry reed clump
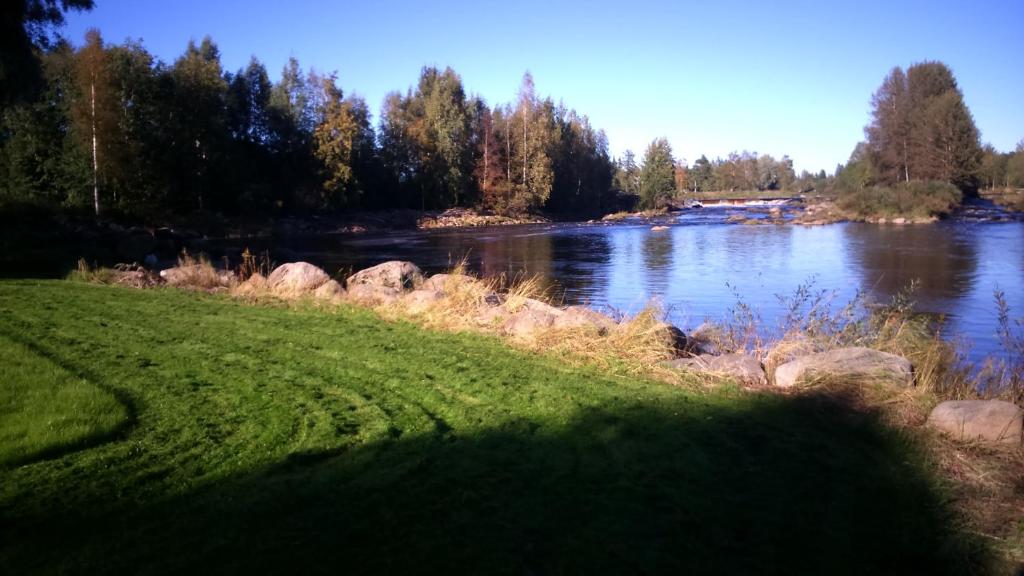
{"x": 253, "y": 264}
{"x": 132, "y": 275}
{"x": 635, "y": 345}
{"x": 198, "y": 273}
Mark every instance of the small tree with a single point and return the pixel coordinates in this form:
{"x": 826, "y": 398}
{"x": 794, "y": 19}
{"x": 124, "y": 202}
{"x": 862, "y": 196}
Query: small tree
{"x": 657, "y": 175}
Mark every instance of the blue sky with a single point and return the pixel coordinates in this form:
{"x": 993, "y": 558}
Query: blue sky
{"x": 788, "y": 77}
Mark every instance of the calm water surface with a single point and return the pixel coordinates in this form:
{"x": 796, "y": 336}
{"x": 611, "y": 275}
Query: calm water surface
{"x": 699, "y": 266}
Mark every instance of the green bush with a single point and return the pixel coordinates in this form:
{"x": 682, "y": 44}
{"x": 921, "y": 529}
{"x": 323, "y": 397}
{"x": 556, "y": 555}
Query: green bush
{"x": 910, "y": 199}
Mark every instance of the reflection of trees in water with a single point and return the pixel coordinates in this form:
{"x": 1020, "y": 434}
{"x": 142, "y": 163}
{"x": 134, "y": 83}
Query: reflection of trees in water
{"x": 890, "y": 257}
{"x": 657, "y": 253}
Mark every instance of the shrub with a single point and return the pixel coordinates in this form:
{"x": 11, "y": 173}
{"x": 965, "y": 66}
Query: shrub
{"x": 908, "y": 199}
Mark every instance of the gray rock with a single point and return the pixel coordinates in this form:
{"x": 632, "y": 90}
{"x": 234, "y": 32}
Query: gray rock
{"x": 447, "y": 282}
{"x": 296, "y": 279}
{"x": 421, "y": 300}
{"x": 673, "y": 338}
{"x": 330, "y": 290}
{"x": 744, "y": 369}
{"x": 489, "y": 314}
{"x": 372, "y": 294}
{"x": 583, "y": 317}
{"x": 395, "y": 274}
{"x": 992, "y": 421}
{"x": 705, "y": 339}
{"x": 846, "y": 363}
{"x": 531, "y": 319}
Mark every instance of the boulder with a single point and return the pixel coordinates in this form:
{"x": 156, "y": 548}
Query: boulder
{"x": 740, "y": 367}
{"x": 527, "y": 322}
{"x": 330, "y": 290}
{"x": 447, "y": 282}
{"x": 491, "y": 314}
{"x": 372, "y": 294}
{"x": 296, "y": 279}
{"x": 846, "y": 363}
{"x": 673, "y": 338}
{"x": 583, "y": 317}
{"x": 705, "y": 339}
{"x": 421, "y": 300}
{"x": 394, "y": 274}
{"x": 992, "y": 421}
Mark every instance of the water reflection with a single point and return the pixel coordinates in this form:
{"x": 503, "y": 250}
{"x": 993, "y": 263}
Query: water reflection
{"x": 700, "y": 266}
{"x": 943, "y": 258}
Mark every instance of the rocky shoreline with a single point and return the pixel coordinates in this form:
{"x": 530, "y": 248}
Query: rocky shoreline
{"x": 457, "y": 301}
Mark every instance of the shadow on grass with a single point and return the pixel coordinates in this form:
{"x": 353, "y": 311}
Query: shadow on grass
{"x": 780, "y": 486}
{"x": 59, "y": 449}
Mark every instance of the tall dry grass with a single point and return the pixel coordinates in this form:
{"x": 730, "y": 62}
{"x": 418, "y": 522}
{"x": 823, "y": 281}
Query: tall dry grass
{"x": 815, "y": 321}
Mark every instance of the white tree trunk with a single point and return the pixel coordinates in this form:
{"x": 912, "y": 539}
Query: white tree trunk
{"x": 95, "y": 161}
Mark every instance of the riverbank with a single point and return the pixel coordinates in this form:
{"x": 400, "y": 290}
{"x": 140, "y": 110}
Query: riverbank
{"x": 889, "y": 364}
{"x": 340, "y": 441}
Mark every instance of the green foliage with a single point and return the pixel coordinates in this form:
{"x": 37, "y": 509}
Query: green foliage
{"x": 922, "y": 130}
{"x": 25, "y": 27}
{"x": 343, "y": 443}
{"x": 657, "y": 175}
{"x": 908, "y": 200}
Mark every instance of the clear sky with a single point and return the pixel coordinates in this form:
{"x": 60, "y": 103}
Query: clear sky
{"x": 786, "y": 77}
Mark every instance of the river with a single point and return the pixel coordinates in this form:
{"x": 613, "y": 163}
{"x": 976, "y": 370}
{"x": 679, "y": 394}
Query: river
{"x": 701, "y": 266}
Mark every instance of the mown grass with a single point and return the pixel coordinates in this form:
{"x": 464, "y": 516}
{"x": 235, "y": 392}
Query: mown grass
{"x": 44, "y": 409}
{"x": 292, "y": 440}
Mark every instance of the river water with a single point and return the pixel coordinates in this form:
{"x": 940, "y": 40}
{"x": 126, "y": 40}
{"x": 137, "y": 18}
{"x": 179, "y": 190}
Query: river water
{"x": 701, "y": 266}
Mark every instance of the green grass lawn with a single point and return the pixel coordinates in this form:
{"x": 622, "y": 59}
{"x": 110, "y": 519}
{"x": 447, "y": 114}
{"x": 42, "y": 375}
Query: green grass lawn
{"x": 272, "y": 440}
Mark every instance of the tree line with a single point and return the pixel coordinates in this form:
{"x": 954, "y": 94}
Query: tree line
{"x": 922, "y": 131}
{"x": 660, "y": 178}
{"x": 114, "y": 129}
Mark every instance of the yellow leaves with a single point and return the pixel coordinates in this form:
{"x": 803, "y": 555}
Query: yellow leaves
{"x": 333, "y": 139}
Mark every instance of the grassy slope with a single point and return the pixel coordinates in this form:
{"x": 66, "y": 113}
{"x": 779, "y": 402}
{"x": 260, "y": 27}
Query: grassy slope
{"x": 279, "y": 440}
{"x": 45, "y": 410}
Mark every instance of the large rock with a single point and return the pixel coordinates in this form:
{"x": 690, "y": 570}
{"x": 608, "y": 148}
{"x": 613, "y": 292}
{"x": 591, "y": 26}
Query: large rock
{"x": 296, "y": 279}
{"x": 986, "y": 420}
{"x": 846, "y": 364}
{"x": 740, "y": 367}
{"x": 705, "y": 339}
{"x": 372, "y": 295}
{"x": 447, "y": 282}
{"x": 491, "y": 315}
{"x": 671, "y": 337}
{"x": 575, "y": 317}
{"x": 394, "y": 274}
{"x": 532, "y": 317}
{"x": 330, "y": 290}
{"x": 419, "y": 301}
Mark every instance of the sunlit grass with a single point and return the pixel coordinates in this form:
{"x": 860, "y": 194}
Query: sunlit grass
{"x": 44, "y": 409}
{"x": 297, "y": 439}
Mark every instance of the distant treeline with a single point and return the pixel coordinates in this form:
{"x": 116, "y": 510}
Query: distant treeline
{"x": 112, "y": 129}
{"x": 115, "y": 129}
